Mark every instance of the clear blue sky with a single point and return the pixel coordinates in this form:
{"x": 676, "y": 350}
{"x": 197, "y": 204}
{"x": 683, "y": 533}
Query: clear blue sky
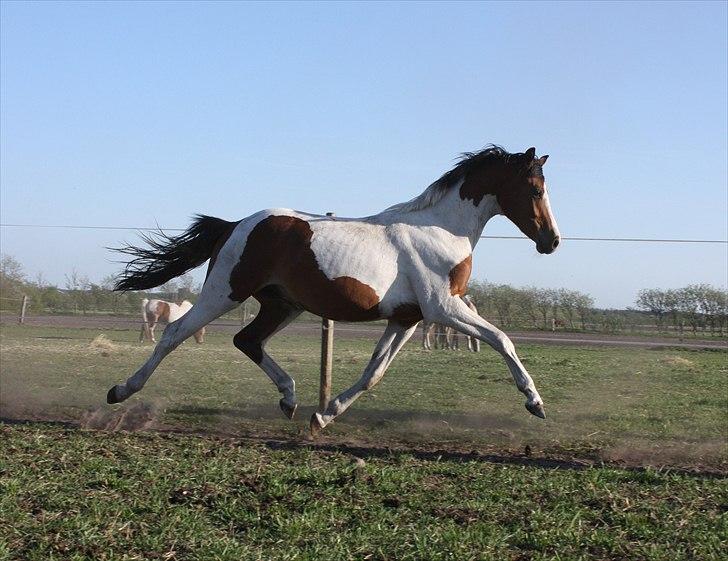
{"x": 136, "y": 114}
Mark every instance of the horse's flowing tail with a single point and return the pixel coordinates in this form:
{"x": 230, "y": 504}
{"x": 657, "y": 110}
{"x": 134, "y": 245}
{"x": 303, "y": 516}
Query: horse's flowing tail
{"x": 168, "y": 257}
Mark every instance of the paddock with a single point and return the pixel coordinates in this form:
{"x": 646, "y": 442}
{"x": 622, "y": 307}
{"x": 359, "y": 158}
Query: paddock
{"x": 654, "y": 405}
{"x": 630, "y": 462}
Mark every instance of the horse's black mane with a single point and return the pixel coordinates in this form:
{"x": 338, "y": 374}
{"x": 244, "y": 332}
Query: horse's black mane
{"x": 490, "y": 154}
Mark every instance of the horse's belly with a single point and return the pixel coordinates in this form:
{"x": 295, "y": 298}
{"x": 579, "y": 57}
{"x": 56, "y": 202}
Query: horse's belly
{"x": 341, "y": 299}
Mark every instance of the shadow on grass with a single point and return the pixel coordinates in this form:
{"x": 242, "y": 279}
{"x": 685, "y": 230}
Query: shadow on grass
{"x": 375, "y": 418}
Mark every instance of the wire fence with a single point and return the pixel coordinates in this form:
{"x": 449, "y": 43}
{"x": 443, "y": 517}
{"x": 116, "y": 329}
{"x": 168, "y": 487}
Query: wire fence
{"x": 126, "y": 313}
{"x": 567, "y": 238}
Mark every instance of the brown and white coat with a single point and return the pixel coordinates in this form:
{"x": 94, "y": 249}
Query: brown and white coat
{"x": 409, "y": 262}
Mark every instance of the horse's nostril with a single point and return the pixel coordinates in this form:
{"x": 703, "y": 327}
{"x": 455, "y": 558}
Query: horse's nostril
{"x": 556, "y": 242}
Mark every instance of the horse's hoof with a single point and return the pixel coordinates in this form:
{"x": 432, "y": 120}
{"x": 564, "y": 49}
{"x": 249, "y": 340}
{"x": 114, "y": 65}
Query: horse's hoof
{"x": 111, "y": 396}
{"x": 316, "y": 425}
{"x": 536, "y": 409}
{"x": 288, "y": 410}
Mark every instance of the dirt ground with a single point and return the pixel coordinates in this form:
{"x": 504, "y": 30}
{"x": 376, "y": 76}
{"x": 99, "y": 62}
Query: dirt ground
{"x": 374, "y": 330}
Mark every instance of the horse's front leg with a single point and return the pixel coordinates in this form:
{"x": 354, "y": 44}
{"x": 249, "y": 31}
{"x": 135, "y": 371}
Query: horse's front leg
{"x": 394, "y": 337}
{"x": 454, "y": 313}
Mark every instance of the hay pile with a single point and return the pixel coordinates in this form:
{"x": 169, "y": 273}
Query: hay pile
{"x": 103, "y": 344}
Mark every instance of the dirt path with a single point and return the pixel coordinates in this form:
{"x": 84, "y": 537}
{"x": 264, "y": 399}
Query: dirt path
{"x": 374, "y": 330}
{"x": 550, "y": 458}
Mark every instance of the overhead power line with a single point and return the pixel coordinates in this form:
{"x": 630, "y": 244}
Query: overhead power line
{"x": 569, "y": 238}
{"x": 585, "y": 239}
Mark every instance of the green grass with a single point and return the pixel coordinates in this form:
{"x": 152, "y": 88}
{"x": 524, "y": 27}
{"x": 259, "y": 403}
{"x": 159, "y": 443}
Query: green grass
{"x": 69, "y": 493}
{"x": 74, "y": 494}
{"x": 663, "y": 406}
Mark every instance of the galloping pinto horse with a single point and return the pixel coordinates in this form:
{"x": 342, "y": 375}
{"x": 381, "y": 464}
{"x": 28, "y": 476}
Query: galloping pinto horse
{"x": 154, "y": 310}
{"x": 409, "y": 262}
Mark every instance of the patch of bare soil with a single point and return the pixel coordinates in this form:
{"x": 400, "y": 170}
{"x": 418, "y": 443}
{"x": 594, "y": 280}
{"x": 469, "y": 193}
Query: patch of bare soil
{"x": 706, "y": 459}
{"x": 137, "y": 417}
{"x": 693, "y": 455}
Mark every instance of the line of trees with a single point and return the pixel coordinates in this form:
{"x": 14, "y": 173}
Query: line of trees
{"x": 698, "y": 307}
{"x": 80, "y": 294}
{"x": 532, "y": 307}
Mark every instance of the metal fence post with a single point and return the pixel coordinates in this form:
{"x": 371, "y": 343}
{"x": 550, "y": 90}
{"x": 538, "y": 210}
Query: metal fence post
{"x": 327, "y": 358}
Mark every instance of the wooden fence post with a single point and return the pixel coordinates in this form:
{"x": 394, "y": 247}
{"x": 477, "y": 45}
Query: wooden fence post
{"x": 327, "y": 358}
{"x": 23, "y": 306}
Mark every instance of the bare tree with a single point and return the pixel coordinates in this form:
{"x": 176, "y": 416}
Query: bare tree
{"x": 12, "y": 277}
{"x": 656, "y": 302}
{"x": 77, "y": 287}
{"x": 584, "y": 307}
{"x": 504, "y": 298}
{"x": 545, "y": 299}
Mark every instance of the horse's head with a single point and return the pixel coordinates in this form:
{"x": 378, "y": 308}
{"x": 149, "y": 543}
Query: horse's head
{"x": 524, "y": 201}
{"x": 519, "y": 186}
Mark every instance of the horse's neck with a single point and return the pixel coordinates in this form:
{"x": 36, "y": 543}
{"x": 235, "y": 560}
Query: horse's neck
{"x": 460, "y": 216}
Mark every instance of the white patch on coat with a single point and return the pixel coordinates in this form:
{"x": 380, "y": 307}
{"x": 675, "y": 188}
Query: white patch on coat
{"x": 547, "y": 203}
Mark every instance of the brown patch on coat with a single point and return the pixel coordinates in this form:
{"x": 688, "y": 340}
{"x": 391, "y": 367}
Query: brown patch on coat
{"x": 478, "y": 184}
{"x": 162, "y": 310}
{"x": 278, "y": 252}
{"x": 460, "y": 275}
{"x": 527, "y": 212}
{"x": 407, "y": 314}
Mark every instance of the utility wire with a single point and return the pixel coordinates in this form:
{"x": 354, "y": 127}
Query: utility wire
{"x": 569, "y": 238}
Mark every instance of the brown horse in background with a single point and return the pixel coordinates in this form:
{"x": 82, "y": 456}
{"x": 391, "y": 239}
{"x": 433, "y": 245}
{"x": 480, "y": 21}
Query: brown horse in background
{"x": 155, "y": 310}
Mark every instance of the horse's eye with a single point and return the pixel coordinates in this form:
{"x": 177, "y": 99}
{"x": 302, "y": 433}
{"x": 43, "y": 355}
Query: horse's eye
{"x": 537, "y": 193}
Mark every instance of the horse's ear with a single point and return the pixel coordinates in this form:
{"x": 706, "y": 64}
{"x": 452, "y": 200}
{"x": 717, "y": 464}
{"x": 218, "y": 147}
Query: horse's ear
{"x": 531, "y": 153}
{"x": 542, "y": 160}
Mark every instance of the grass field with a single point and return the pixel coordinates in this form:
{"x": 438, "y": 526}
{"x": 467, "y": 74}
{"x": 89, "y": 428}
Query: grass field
{"x": 664, "y": 406}
{"x": 439, "y": 461}
{"x": 75, "y": 494}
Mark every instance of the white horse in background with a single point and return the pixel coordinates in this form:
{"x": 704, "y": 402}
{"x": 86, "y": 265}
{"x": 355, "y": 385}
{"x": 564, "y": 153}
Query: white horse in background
{"x": 435, "y": 335}
{"x": 412, "y": 261}
{"x": 154, "y": 310}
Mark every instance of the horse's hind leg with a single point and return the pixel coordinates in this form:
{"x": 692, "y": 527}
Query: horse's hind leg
{"x": 206, "y": 310}
{"x": 427, "y": 329}
{"x": 393, "y": 339}
{"x": 152, "y": 324}
{"x": 274, "y": 315}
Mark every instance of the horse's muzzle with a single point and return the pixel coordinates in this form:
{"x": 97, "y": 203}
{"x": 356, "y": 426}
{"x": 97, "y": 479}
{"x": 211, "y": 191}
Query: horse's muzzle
{"x": 547, "y": 242}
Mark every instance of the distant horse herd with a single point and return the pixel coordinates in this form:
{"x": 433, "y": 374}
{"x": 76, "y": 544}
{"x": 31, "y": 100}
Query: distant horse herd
{"x": 438, "y": 336}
